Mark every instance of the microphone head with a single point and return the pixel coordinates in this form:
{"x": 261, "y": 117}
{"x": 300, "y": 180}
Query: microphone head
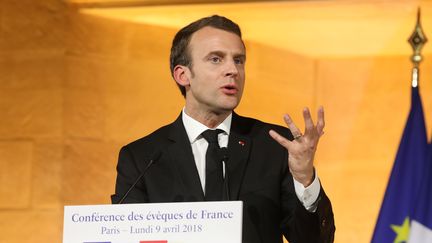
{"x": 156, "y": 155}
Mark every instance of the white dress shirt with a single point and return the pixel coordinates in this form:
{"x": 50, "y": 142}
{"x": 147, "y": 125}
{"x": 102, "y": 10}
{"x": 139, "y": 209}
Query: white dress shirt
{"x": 307, "y": 195}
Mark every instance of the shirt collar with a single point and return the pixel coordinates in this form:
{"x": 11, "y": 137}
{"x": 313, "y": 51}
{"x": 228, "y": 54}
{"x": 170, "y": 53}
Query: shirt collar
{"x": 194, "y": 128}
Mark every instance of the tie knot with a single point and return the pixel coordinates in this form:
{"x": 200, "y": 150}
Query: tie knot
{"x": 211, "y": 135}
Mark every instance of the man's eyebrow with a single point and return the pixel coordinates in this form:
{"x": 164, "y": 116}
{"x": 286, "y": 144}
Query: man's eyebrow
{"x": 240, "y": 55}
{"x": 223, "y": 54}
{"x": 217, "y": 53}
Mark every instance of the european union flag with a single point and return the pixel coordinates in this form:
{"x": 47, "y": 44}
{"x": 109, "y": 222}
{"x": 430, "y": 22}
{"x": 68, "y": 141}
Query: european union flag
{"x": 405, "y": 179}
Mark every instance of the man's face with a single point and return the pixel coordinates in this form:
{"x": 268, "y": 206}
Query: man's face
{"x": 217, "y": 74}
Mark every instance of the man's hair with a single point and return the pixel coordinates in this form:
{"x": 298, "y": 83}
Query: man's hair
{"x": 180, "y": 53}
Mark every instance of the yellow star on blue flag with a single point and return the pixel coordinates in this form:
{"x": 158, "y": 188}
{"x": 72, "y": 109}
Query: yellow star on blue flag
{"x": 402, "y": 231}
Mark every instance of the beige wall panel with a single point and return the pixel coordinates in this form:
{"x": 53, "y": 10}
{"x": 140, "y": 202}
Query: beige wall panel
{"x": 46, "y": 179}
{"x": 98, "y": 37}
{"x": 144, "y": 100}
{"x": 150, "y": 76}
{"x": 361, "y": 96}
{"x": 277, "y": 82}
{"x": 112, "y": 99}
{"x": 145, "y": 97}
{"x": 128, "y": 65}
{"x": 84, "y": 115}
{"x": 15, "y": 174}
{"x": 43, "y": 70}
{"x": 30, "y": 113}
{"x": 31, "y": 226}
{"x": 32, "y": 25}
{"x": 89, "y": 171}
{"x": 356, "y": 191}
{"x": 146, "y": 41}
{"x": 426, "y": 91}
{"x": 86, "y": 72}
{"x": 32, "y": 35}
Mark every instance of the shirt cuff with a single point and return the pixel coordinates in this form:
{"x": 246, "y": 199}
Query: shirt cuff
{"x": 308, "y": 196}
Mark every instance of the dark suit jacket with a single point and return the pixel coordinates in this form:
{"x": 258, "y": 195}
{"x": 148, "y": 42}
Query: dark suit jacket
{"x": 259, "y": 176}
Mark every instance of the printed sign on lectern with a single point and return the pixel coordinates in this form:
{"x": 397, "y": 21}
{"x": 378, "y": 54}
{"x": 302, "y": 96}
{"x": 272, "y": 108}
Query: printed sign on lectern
{"x": 194, "y": 222}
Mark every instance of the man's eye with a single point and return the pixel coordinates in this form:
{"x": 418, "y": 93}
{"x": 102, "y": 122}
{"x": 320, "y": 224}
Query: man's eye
{"x": 238, "y": 61}
{"x": 215, "y": 59}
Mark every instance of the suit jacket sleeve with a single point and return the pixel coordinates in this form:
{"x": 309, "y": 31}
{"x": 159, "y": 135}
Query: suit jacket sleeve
{"x": 300, "y": 225}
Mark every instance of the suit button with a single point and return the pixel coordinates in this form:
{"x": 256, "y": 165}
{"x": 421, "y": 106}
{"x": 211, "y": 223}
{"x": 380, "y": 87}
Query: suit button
{"x": 323, "y": 223}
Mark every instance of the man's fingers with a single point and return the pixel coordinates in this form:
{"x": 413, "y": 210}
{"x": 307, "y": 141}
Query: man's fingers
{"x": 309, "y": 125}
{"x": 311, "y": 131}
{"x": 321, "y": 121}
{"x": 293, "y": 128}
{"x": 280, "y": 139}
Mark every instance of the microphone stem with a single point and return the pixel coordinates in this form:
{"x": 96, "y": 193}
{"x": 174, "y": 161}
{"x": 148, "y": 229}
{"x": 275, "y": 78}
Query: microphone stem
{"x": 136, "y": 182}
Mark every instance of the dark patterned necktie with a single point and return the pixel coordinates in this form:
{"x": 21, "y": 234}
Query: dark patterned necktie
{"x": 214, "y": 174}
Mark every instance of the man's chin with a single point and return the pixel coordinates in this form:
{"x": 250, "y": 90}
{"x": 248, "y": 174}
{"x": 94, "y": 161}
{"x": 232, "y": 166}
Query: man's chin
{"x": 228, "y": 108}
{"x": 230, "y": 103}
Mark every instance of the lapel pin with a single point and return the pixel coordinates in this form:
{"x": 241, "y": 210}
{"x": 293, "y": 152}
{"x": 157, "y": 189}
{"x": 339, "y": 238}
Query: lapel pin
{"x": 242, "y": 143}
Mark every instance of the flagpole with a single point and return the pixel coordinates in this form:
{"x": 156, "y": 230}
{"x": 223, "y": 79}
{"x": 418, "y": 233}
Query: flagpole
{"x": 417, "y": 40}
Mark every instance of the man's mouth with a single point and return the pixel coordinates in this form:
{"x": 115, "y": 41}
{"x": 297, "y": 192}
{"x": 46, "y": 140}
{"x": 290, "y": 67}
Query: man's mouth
{"x": 229, "y": 89}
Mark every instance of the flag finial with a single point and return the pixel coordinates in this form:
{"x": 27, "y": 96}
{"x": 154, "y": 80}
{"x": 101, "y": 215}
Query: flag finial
{"x": 417, "y": 41}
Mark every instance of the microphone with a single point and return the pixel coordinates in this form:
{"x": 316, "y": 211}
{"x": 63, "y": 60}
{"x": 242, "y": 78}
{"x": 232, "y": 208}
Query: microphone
{"x": 153, "y": 160}
{"x": 223, "y": 153}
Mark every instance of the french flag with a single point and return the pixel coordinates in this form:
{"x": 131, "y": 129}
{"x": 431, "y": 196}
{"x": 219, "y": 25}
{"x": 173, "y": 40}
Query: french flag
{"x": 154, "y": 241}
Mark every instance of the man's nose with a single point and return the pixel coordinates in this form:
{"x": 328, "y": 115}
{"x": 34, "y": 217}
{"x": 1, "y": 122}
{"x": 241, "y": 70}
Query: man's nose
{"x": 231, "y": 69}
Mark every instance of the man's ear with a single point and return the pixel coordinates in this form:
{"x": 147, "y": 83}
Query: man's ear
{"x": 181, "y": 75}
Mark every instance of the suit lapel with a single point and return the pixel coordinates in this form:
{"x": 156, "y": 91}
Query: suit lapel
{"x": 239, "y": 145}
{"x": 181, "y": 154}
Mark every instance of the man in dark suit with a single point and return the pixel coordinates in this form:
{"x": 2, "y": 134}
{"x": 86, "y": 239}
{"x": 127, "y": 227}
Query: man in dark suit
{"x": 270, "y": 167}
